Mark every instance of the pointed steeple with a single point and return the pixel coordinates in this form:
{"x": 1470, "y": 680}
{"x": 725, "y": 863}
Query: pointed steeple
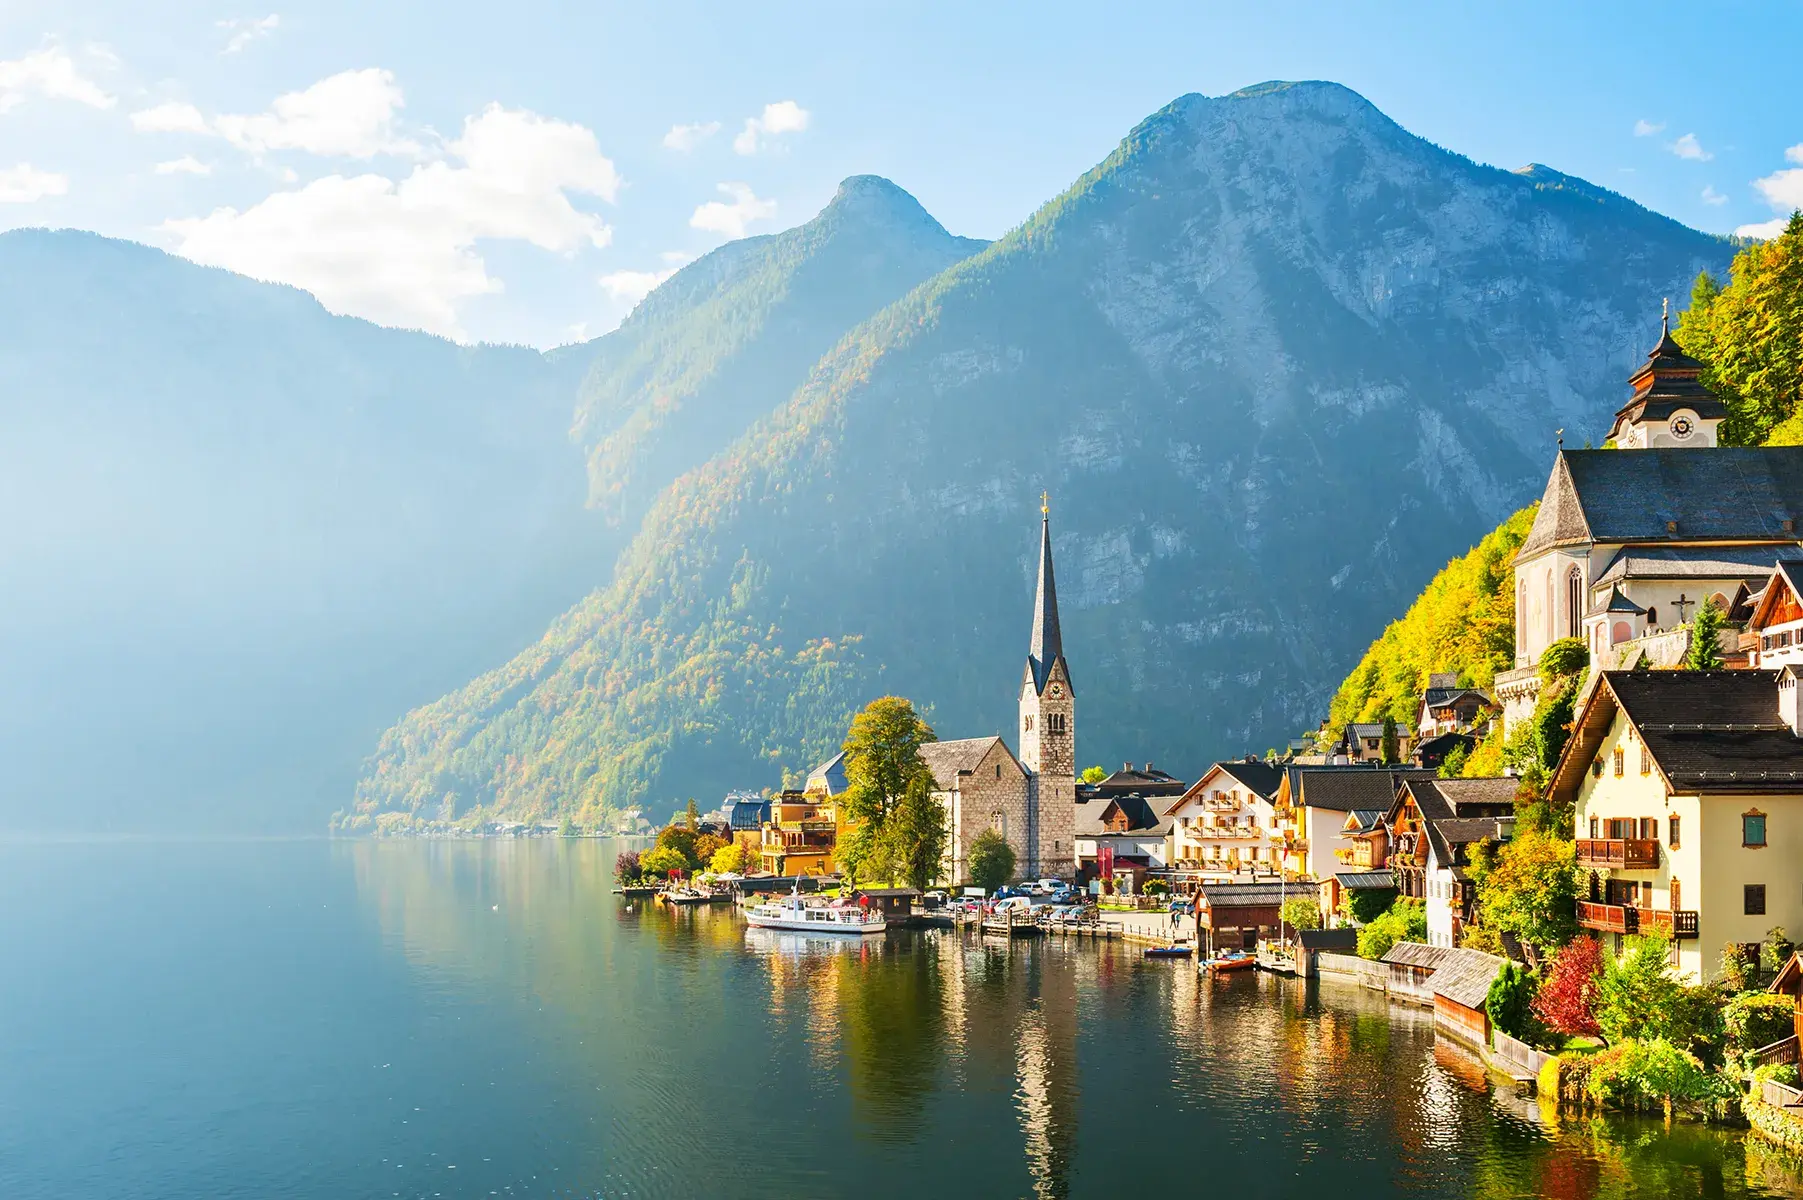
{"x": 1047, "y": 646}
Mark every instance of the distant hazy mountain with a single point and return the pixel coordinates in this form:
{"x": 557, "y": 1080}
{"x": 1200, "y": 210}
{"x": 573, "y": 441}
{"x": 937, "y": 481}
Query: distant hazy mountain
{"x": 1275, "y": 359}
{"x": 730, "y": 337}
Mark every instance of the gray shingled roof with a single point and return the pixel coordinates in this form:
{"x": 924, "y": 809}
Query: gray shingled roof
{"x": 1714, "y": 730}
{"x": 1721, "y": 493}
{"x": 1702, "y": 562}
{"x": 1145, "y": 819}
{"x": 1417, "y": 954}
{"x": 1249, "y": 895}
{"x": 1365, "y": 880}
{"x": 1262, "y": 777}
{"x": 1450, "y": 835}
{"x": 1343, "y": 789}
{"x": 1466, "y": 978}
{"x": 946, "y": 759}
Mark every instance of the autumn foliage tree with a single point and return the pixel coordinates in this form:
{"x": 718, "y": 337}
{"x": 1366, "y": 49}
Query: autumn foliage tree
{"x": 1566, "y": 1001}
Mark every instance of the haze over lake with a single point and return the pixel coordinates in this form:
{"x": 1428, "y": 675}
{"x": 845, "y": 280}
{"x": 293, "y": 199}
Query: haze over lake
{"x": 332, "y": 1019}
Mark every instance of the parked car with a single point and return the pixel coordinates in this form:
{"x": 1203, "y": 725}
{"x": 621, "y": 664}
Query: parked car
{"x": 1004, "y": 893}
{"x": 1182, "y": 905}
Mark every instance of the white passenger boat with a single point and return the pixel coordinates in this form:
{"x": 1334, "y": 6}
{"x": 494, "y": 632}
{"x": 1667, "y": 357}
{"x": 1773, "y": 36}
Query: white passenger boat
{"x": 792, "y": 912}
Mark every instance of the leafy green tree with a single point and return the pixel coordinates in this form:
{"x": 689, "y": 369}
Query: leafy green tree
{"x": 1096, "y": 774}
{"x": 1530, "y": 889}
{"x": 706, "y": 846}
{"x": 1755, "y": 1019}
{"x": 1566, "y": 658}
{"x": 681, "y": 840}
{"x": 1705, "y": 653}
{"x": 990, "y": 862}
{"x": 1453, "y": 765}
{"x": 1404, "y": 921}
{"x": 730, "y": 859}
{"x": 1301, "y": 913}
{"x": 1638, "y": 995}
{"x": 1391, "y": 746}
{"x": 1362, "y": 906}
{"x": 1510, "y": 1001}
{"x": 882, "y": 758}
{"x": 1749, "y": 338}
{"x": 692, "y": 816}
{"x": 918, "y": 833}
{"x": 662, "y": 860}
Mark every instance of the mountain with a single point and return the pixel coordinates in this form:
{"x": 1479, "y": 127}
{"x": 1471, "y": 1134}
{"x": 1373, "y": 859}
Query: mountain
{"x": 1275, "y": 358}
{"x": 731, "y": 336}
{"x": 251, "y": 533}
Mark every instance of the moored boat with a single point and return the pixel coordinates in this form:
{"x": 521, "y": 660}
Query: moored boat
{"x": 1167, "y": 951}
{"x": 1238, "y": 960}
{"x": 792, "y": 912}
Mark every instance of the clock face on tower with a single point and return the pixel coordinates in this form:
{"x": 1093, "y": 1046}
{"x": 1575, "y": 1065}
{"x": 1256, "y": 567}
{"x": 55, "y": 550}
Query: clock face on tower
{"x": 1057, "y": 690}
{"x": 1682, "y": 426}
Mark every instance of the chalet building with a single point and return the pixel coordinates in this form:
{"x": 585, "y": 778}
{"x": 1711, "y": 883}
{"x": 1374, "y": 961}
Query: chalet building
{"x": 1311, "y": 807}
{"x": 1122, "y": 839}
{"x": 1433, "y": 824}
{"x": 1445, "y": 707}
{"x": 1224, "y": 822}
{"x": 1364, "y": 743}
{"x": 1367, "y": 848}
{"x": 1688, "y": 793}
{"x": 800, "y": 835}
{"x": 1236, "y": 915}
{"x": 1625, "y": 546}
{"x": 1031, "y": 800}
{"x": 1774, "y": 633}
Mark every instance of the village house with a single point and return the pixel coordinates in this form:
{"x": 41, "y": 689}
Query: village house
{"x": 800, "y": 835}
{"x": 1233, "y": 916}
{"x": 1625, "y": 546}
{"x": 1311, "y": 807}
{"x": 1362, "y": 742}
{"x": 828, "y": 779}
{"x": 1445, "y": 707}
{"x": 1366, "y": 849}
{"x": 1122, "y": 839}
{"x": 1223, "y": 823}
{"x": 1433, "y": 823}
{"x": 1774, "y": 633}
{"x": 1147, "y": 781}
{"x": 1688, "y": 792}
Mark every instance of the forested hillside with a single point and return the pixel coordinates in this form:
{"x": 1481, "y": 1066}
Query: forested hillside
{"x": 1272, "y": 358}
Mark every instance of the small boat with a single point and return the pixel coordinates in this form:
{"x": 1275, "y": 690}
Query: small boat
{"x": 1167, "y": 951}
{"x": 792, "y": 912}
{"x": 635, "y": 891}
{"x": 687, "y": 895}
{"x": 1238, "y": 960}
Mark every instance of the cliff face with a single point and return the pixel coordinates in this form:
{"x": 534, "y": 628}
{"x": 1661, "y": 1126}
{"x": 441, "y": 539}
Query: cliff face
{"x": 1275, "y": 359}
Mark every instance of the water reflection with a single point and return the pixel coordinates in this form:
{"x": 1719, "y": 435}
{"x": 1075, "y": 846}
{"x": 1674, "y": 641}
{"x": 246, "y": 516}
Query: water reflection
{"x": 1045, "y": 1068}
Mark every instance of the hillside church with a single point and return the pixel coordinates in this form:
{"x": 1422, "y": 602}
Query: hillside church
{"x": 1032, "y": 799}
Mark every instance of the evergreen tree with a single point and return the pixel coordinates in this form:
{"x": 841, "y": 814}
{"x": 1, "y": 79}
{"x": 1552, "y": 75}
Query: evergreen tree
{"x": 1749, "y": 338}
{"x": 1392, "y": 745}
{"x": 1705, "y": 653}
{"x": 692, "y": 816}
{"x": 991, "y": 860}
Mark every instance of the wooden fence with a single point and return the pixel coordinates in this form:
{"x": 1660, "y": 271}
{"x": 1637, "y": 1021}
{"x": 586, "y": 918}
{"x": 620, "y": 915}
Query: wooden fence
{"x": 1780, "y": 1095}
{"x": 1516, "y": 1056}
{"x": 1782, "y": 1051}
{"x": 1351, "y": 967}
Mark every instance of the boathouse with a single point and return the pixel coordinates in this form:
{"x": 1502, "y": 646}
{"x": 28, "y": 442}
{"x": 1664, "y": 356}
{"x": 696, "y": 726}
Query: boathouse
{"x": 1238, "y": 914}
{"x": 896, "y": 904}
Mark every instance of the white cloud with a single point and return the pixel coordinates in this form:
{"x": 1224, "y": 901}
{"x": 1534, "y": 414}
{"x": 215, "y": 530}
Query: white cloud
{"x": 51, "y": 74}
{"x": 1764, "y": 230}
{"x": 1783, "y": 190}
{"x": 1795, "y": 153}
{"x": 717, "y": 216}
{"x": 186, "y": 165}
{"x": 347, "y": 115}
{"x": 1688, "y": 147}
{"x": 243, "y": 31}
{"x": 1711, "y": 196}
{"x": 629, "y": 287}
{"x": 1646, "y": 128}
{"x": 785, "y": 116}
{"x": 172, "y": 117}
{"x": 685, "y": 138}
{"x": 25, "y": 183}
{"x": 350, "y": 114}
{"x": 404, "y": 253}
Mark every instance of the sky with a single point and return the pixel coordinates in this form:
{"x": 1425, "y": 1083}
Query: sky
{"x": 525, "y": 172}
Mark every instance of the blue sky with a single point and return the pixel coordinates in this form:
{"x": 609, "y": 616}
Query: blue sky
{"x": 521, "y": 172}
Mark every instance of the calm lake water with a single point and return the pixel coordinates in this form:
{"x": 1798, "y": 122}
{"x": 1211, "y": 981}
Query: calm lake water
{"x": 317, "y": 1019}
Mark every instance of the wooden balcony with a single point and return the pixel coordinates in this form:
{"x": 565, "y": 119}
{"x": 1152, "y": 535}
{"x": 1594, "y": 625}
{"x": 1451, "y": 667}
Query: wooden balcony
{"x": 1620, "y": 918}
{"x": 1620, "y": 854}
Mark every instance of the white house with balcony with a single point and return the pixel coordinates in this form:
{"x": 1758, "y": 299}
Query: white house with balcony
{"x": 1774, "y": 633}
{"x": 1224, "y": 822}
{"x": 1629, "y": 542}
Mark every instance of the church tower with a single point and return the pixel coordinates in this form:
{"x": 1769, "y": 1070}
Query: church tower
{"x": 1670, "y": 408}
{"x": 1048, "y": 731}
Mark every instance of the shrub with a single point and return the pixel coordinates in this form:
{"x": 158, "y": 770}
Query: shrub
{"x": 1737, "y": 971}
{"x": 1364, "y": 905}
{"x": 1642, "y": 1075}
{"x": 733, "y": 858}
{"x": 1566, "y": 1001}
{"x": 1638, "y": 994}
{"x": 706, "y": 846}
{"x": 662, "y": 860}
{"x": 1301, "y": 913}
{"x": 991, "y": 860}
{"x": 626, "y": 867}
{"x": 1755, "y": 1019}
{"x": 1567, "y": 656}
{"x": 1510, "y": 1000}
{"x": 1404, "y": 921}
{"x": 1156, "y": 887}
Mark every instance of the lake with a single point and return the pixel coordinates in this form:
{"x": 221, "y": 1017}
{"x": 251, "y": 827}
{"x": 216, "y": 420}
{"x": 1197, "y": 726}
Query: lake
{"x": 341, "y": 1019}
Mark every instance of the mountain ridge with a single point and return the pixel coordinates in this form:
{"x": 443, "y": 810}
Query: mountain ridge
{"x": 1264, "y": 308}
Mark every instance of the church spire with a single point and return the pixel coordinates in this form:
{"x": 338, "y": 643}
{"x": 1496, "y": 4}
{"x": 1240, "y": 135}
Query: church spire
{"x": 1047, "y": 646}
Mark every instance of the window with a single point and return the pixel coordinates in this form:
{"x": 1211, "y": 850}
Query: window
{"x": 1753, "y": 899}
{"x": 1617, "y": 758}
{"x": 1649, "y": 828}
{"x": 998, "y": 770}
{"x": 1671, "y": 836}
{"x": 1592, "y": 828}
{"x": 1646, "y": 761}
{"x": 1596, "y": 769}
{"x": 1752, "y": 830}
{"x": 1574, "y": 602}
{"x": 1026, "y": 724}
{"x": 1521, "y": 615}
